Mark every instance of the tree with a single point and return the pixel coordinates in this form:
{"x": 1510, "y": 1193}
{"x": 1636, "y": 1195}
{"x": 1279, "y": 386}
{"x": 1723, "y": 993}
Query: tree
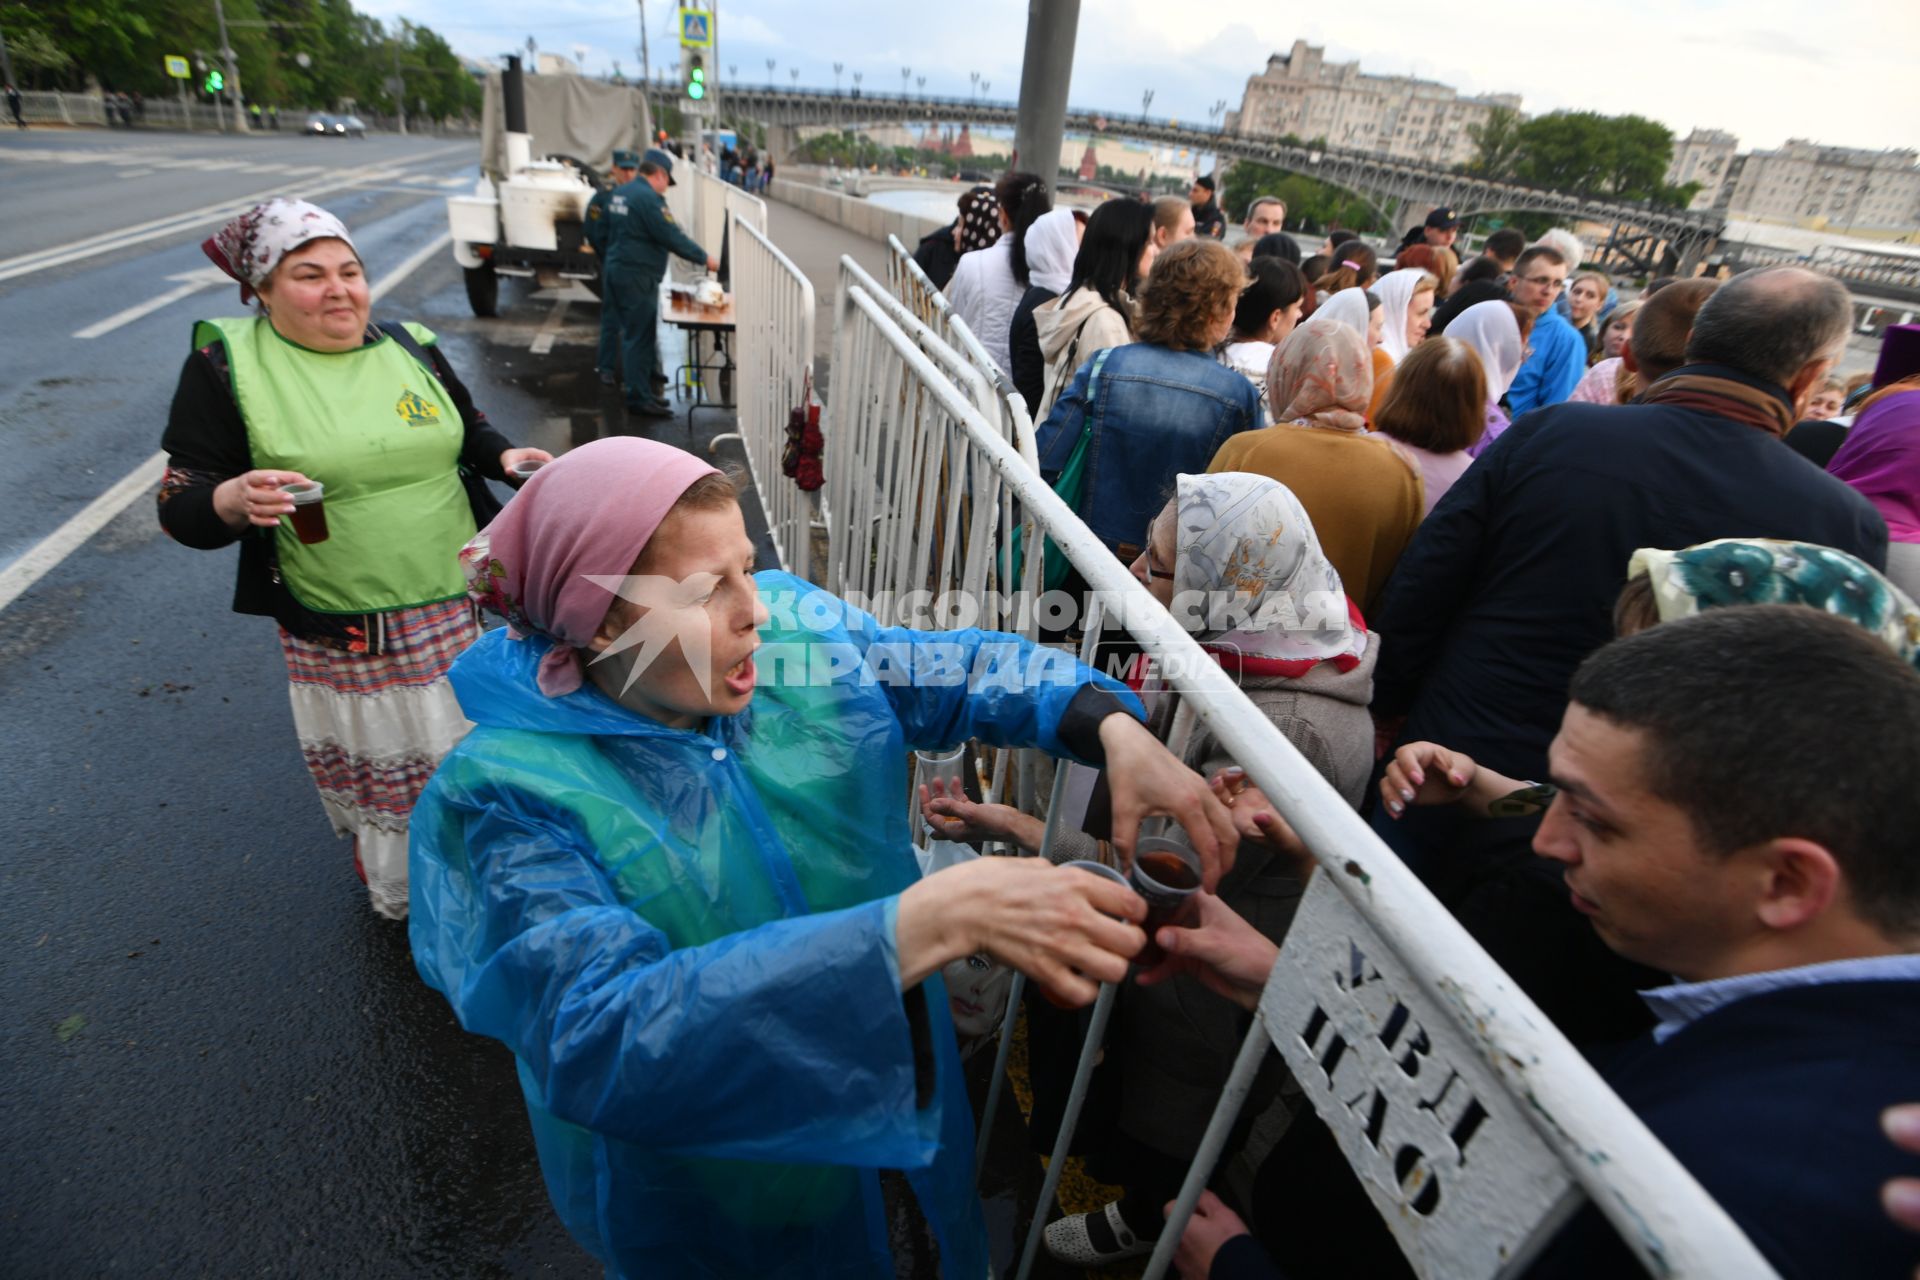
{"x": 1496, "y": 144}
{"x": 1309, "y": 201}
{"x": 1582, "y": 151}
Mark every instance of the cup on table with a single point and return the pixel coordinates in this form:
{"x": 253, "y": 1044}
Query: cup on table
{"x": 942, "y": 773}
{"x": 309, "y": 511}
{"x": 1166, "y": 872}
{"x": 524, "y": 469}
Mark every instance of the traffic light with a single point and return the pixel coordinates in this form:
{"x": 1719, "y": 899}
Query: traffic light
{"x": 696, "y": 78}
{"x": 215, "y": 82}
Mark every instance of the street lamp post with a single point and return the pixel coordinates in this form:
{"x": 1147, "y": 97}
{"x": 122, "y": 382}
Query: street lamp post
{"x": 1146, "y": 101}
{"x": 838, "y": 67}
{"x": 770, "y": 64}
{"x": 976, "y": 85}
{"x": 905, "y": 74}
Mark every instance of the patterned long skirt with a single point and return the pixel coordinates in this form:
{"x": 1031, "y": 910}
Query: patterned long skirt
{"x": 373, "y": 729}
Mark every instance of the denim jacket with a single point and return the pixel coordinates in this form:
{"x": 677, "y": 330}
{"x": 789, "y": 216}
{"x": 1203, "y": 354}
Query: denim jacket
{"x": 1155, "y": 413}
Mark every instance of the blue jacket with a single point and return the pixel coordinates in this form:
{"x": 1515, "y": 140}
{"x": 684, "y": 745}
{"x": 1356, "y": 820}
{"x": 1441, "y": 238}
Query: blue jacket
{"x": 641, "y": 232}
{"x": 1550, "y": 374}
{"x": 1155, "y": 413}
{"x": 686, "y": 938}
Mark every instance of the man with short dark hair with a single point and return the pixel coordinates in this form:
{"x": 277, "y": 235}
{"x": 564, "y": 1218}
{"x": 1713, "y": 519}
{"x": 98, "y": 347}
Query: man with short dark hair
{"x": 1557, "y": 354}
{"x": 1510, "y": 581}
{"x": 1482, "y": 280}
{"x": 641, "y": 234}
{"x": 1207, "y": 218}
{"x": 1782, "y": 904}
{"x": 1440, "y": 230}
{"x": 1661, "y": 328}
{"x": 625, "y": 167}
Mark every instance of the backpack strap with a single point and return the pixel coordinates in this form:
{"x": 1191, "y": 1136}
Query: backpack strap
{"x": 411, "y": 345}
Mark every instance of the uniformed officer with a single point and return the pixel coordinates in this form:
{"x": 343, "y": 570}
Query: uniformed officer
{"x": 626, "y": 166}
{"x": 640, "y": 236}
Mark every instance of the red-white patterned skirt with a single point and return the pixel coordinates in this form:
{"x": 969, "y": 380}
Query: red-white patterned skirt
{"x": 373, "y": 729}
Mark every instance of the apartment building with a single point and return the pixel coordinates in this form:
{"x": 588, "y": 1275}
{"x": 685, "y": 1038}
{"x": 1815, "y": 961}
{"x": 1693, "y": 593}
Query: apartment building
{"x": 1303, "y": 94}
{"x": 1840, "y": 187}
{"x": 1704, "y": 156}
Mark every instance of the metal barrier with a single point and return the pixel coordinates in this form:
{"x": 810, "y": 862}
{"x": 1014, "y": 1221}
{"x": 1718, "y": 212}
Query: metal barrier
{"x": 715, "y": 204}
{"x": 773, "y": 345}
{"x": 1475, "y": 1125}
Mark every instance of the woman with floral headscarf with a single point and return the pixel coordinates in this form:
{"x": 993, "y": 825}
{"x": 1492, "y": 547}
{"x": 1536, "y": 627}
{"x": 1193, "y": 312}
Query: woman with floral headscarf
{"x": 374, "y": 608}
{"x": 669, "y": 869}
{"x": 1363, "y": 495}
{"x": 1235, "y": 558}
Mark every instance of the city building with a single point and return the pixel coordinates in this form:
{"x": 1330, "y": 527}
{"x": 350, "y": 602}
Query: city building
{"x": 1704, "y": 156}
{"x": 1830, "y": 187}
{"x": 1302, "y": 94}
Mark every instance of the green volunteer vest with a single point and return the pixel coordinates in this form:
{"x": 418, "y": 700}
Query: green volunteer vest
{"x": 379, "y": 431}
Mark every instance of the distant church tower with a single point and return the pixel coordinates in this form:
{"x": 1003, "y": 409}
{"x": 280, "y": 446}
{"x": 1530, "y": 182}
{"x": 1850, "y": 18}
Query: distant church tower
{"x": 1089, "y": 163}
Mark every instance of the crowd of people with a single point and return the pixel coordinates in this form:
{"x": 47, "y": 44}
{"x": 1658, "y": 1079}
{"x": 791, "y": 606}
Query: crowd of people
{"x": 1552, "y": 585}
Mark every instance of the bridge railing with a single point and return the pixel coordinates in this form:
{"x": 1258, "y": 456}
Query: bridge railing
{"x": 1474, "y": 1125}
{"x": 773, "y": 311}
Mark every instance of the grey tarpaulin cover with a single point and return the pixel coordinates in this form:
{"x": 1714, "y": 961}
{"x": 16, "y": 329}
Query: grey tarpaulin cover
{"x": 567, "y": 115}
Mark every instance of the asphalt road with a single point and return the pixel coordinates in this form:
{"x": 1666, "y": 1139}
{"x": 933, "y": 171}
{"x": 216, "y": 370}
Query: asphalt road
{"x": 215, "y": 1060}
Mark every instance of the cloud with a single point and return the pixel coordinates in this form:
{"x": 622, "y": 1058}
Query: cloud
{"x": 1759, "y": 68}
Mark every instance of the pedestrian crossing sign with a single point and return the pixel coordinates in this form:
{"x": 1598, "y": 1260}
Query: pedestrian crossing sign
{"x": 177, "y": 67}
{"x": 696, "y": 29}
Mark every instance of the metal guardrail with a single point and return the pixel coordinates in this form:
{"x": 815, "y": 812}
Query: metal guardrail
{"x": 1482, "y": 1126}
{"x": 773, "y": 311}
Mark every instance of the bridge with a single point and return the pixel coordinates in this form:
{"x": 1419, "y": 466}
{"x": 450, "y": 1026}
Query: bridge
{"x": 1642, "y": 236}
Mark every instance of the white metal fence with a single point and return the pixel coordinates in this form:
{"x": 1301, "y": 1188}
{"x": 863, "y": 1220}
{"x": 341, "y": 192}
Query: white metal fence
{"x": 914, "y": 288}
{"x": 773, "y": 314}
{"x": 1482, "y": 1126}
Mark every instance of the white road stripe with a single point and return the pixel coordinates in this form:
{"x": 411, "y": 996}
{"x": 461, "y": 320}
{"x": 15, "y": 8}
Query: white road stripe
{"x": 196, "y": 282}
{"x": 46, "y": 555}
{"x": 543, "y": 340}
{"x": 62, "y": 542}
{"x": 457, "y": 180}
{"x": 173, "y": 224}
{"x": 138, "y": 173}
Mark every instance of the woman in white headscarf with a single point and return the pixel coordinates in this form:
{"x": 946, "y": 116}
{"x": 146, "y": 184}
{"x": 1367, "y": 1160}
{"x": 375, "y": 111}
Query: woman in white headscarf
{"x": 1051, "y": 243}
{"x": 1406, "y": 313}
{"x": 1236, "y": 559}
{"x": 309, "y": 395}
{"x": 1493, "y": 330}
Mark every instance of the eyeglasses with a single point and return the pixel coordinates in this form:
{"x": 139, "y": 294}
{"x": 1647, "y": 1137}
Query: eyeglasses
{"x": 1548, "y": 283}
{"x": 1152, "y": 570}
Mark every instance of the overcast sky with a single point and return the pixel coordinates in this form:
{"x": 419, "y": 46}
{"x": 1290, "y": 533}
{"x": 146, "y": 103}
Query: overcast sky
{"x": 1840, "y": 71}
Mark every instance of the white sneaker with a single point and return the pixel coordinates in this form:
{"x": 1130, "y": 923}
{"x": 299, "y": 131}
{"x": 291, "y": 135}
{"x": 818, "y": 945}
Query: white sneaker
{"x": 1069, "y": 1240}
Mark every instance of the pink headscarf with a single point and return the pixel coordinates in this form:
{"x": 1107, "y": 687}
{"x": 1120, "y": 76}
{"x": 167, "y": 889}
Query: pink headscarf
{"x": 588, "y": 512}
{"x": 1321, "y": 375}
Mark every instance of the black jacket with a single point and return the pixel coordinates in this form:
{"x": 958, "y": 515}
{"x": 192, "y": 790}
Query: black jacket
{"x": 1209, "y": 221}
{"x": 1510, "y": 582}
{"x": 1467, "y": 295}
{"x": 937, "y": 256}
{"x": 1029, "y": 372}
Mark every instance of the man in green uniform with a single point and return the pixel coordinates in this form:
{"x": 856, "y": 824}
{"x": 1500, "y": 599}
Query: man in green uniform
{"x": 626, "y": 166}
{"x": 640, "y": 236}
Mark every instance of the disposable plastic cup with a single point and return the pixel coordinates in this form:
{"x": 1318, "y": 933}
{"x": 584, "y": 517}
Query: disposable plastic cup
{"x": 1098, "y": 869}
{"x": 945, "y": 768}
{"x": 1166, "y": 872}
{"x": 309, "y": 510}
{"x": 524, "y": 470}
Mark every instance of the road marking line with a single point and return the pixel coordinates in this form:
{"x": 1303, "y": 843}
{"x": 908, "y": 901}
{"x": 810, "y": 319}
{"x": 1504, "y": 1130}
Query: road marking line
{"x": 172, "y": 224}
{"x": 138, "y": 173}
{"x": 195, "y": 282}
{"x": 543, "y": 340}
{"x": 45, "y": 556}
{"x": 457, "y": 180}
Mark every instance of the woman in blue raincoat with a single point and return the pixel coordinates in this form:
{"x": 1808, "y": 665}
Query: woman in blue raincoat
{"x": 692, "y": 913}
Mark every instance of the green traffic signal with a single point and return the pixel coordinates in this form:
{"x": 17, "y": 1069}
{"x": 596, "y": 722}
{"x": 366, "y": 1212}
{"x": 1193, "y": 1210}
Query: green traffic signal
{"x": 697, "y": 84}
{"x": 215, "y": 82}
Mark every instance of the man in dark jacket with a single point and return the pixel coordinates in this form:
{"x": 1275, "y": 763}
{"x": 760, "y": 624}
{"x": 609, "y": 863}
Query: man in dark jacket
{"x": 1207, "y": 219}
{"x": 1784, "y": 907}
{"x": 1484, "y": 279}
{"x": 1510, "y": 582}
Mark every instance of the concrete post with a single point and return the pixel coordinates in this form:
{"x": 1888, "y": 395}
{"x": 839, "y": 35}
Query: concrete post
{"x": 1045, "y": 75}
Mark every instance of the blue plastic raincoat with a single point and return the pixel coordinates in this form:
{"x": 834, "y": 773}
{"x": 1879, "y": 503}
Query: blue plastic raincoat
{"x": 686, "y": 938}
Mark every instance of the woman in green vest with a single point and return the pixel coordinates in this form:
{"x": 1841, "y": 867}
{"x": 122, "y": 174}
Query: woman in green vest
{"x": 370, "y": 599}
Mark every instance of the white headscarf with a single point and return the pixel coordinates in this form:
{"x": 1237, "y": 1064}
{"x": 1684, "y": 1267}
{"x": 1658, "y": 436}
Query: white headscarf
{"x": 251, "y": 246}
{"x": 1248, "y": 535}
{"x": 1395, "y": 291}
{"x": 1052, "y": 243}
{"x": 1490, "y": 329}
{"x": 1348, "y": 307}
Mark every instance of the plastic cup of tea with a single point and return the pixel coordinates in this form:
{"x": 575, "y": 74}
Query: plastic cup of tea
{"x": 309, "y": 510}
{"x": 1098, "y": 869}
{"x": 524, "y": 470}
{"x": 1166, "y": 872}
{"x": 942, "y": 773}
